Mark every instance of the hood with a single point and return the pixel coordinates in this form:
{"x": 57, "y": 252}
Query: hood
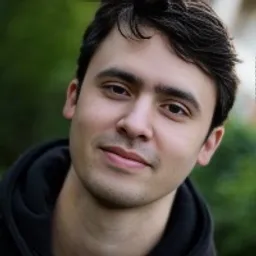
{"x": 31, "y": 186}
{"x": 28, "y": 193}
{"x": 189, "y": 231}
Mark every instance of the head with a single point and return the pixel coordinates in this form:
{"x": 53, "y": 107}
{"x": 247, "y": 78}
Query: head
{"x": 155, "y": 79}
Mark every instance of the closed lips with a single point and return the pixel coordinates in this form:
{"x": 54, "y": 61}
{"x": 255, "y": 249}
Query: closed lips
{"x": 126, "y": 154}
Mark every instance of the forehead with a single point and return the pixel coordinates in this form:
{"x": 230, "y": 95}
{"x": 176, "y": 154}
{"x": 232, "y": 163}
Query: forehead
{"x": 154, "y": 61}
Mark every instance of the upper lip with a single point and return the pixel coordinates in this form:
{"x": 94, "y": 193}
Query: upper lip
{"x": 126, "y": 154}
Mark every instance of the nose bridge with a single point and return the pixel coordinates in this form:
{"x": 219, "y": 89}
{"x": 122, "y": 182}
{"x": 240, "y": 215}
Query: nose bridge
{"x": 140, "y": 111}
{"x": 137, "y": 121}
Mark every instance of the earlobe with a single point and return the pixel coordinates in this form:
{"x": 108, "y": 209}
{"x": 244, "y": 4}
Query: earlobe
{"x": 71, "y": 100}
{"x": 210, "y": 146}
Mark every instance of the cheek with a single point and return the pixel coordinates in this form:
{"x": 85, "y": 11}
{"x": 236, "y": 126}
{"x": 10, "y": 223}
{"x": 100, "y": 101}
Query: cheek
{"x": 90, "y": 120}
{"x": 179, "y": 145}
{"x": 96, "y": 114}
{"x": 91, "y": 114}
{"x": 178, "y": 150}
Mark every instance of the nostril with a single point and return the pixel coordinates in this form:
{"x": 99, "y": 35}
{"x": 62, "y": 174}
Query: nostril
{"x": 122, "y": 131}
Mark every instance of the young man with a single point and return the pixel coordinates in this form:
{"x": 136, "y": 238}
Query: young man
{"x": 154, "y": 84}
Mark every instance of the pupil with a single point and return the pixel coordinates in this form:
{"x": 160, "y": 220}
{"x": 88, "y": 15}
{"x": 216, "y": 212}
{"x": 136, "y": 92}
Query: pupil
{"x": 118, "y": 90}
{"x": 174, "y": 108}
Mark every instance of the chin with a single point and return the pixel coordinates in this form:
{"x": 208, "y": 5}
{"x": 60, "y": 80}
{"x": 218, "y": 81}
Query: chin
{"x": 117, "y": 196}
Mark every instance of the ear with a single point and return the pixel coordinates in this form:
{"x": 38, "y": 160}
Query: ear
{"x": 71, "y": 100}
{"x": 210, "y": 146}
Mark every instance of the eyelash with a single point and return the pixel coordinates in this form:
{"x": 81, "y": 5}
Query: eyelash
{"x": 181, "y": 109}
{"x": 109, "y": 88}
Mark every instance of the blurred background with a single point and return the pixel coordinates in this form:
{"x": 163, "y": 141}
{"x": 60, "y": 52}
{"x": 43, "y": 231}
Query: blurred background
{"x": 39, "y": 45}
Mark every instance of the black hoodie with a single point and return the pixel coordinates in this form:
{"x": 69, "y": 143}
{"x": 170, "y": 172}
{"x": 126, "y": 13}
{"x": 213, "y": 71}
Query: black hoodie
{"x": 30, "y": 188}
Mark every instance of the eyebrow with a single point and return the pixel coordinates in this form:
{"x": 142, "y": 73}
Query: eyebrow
{"x": 178, "y": 93}
{"x": 121, "y": 74}
{"x": 162, "y": 89}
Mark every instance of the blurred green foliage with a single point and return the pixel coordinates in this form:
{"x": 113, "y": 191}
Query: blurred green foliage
{"x": 228, "y": 183}
{"x": 39, "y": 45}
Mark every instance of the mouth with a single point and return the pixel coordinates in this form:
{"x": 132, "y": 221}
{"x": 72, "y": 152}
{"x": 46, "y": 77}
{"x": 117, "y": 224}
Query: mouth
{"x": 125, "y": 159}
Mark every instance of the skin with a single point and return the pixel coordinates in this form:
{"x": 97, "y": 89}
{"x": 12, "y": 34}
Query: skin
{"x": 164, "y": 116}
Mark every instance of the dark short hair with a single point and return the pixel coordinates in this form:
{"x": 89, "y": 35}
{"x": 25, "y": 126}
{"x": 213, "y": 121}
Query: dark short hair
{"x": 193, "y": 30}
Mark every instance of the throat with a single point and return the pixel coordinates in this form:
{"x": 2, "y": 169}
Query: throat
{"x": 82, "y": 227}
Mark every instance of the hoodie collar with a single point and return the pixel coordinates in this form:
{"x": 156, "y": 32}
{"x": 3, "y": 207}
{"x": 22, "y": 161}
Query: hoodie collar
{"x": 29, "y": 191}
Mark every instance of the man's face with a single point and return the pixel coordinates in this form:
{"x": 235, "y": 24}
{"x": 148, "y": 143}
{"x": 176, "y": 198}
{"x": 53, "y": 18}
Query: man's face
{"x": 140, "y": 122}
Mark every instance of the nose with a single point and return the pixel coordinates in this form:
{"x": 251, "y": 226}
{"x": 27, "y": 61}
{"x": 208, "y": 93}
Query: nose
{"x": 136, "y": 123}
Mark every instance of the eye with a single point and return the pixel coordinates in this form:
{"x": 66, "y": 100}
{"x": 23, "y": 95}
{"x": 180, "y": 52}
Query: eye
{"x": 176, "y": 109}
{"x": 116, "y": 90}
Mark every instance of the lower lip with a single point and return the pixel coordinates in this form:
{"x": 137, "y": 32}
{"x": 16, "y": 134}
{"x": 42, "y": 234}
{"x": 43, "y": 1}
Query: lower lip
{"x": 122, "y": 162}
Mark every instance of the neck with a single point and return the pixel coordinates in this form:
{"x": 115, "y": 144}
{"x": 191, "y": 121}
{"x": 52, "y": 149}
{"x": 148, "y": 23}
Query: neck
{"x": 81, "y": 226}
